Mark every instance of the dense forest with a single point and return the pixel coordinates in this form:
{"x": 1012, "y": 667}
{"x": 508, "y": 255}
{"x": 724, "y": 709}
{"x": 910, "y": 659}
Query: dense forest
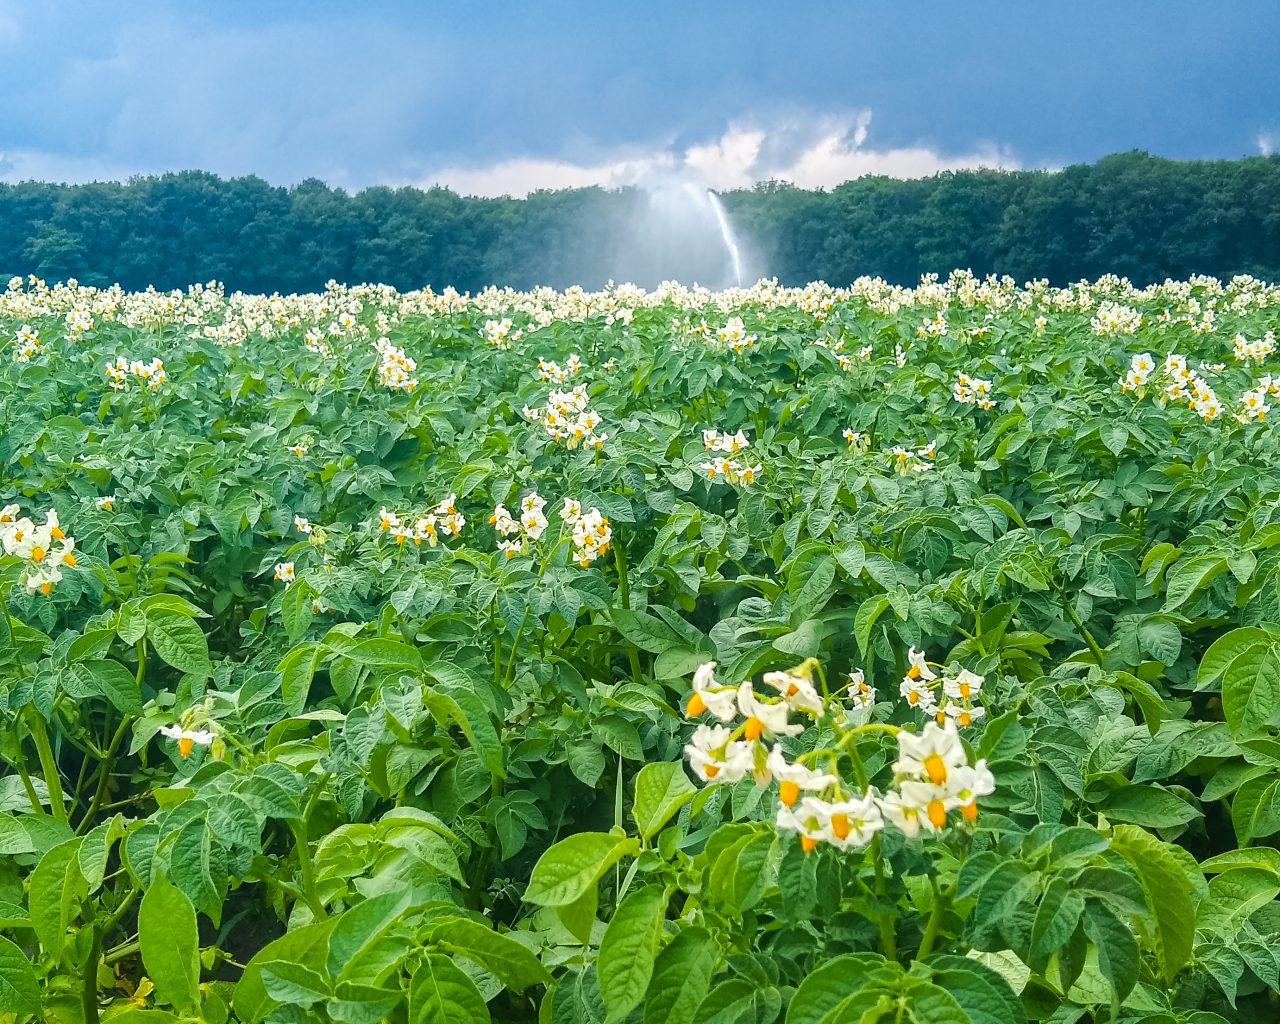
{"x": 1132, "y": 214}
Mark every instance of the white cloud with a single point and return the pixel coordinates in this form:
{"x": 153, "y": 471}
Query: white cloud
{"x": 1267, "y": 142}
{"x": 38, "y": 165}
{"x": 818, "y": 152}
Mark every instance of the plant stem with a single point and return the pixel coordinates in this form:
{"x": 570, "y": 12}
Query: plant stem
{"x": 117, "y": 915}
{"x": 104, "y": 773}
{"x": 1088, "y": 637}
{"x": 32, "y": 795}
{"x": 888, "y": 944}
{"x": 40, "y": 735}
{"x": 931, "y": 926}
{"x": 307, "y": 870}
{"x": 624, "y": 596}
{"x": 89, "y": 978}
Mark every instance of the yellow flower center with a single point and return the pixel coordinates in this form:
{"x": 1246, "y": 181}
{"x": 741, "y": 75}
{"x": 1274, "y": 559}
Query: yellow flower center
{"x": 788, "y": 792}
{"x": 37, "y": 554}
{"x": 695, "y": 706}
{"x": 936, "y": 769}
{"x": 185, "y": 745}
{"x": 937, "y": 813}
{"x": 840, "y": 826}
{"x": 753, "y": 728}
{"x": 808, "y": 844}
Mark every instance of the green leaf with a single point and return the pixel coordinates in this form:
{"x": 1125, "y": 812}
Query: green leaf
{"x": 580, "y": 915}
{"x": 360, "y": 928}
{"x": 510, "y": 962}
{"x": 464, "y": 706}
{"x": 740, "y": 872}
{"x": 1168, "y": 893}
{"x": 1056, "y": 919}
{"x": 1148, "y": 805}
{"x": 662, "y": 788}
{"x": 829, "y": 984}
{"x": 178, "y": 641}
{"x": 982, "y": 992}
{"x": 870, "y": 610}
{"x": 109, "y": 679}
{"x": 1190, "y": 576}
{"x": 287, "y": 982}
{"x": 19, "y": 990}
{"x": 647, "y": 632}
{"x": 296, "y": 672}
{"x": 565, "y": 871}
{"x": 931, "y": 1004}
{"x": 1116, "y": 944}
{"x": 169, "y": 941}
{"x": 1251, "y": 690}
{"x": 681, "y": 976}
{"x": 306, "y": 945}
{"x": 1255, "y": 809}
{"x": 1223, "y": 651}
{"x": 14, "y": 839}
{"x": 440, "y": 993}
{"x": 628, "y": 949}
{"x": 131, "y": 622}
{"x": 54, "y": 887}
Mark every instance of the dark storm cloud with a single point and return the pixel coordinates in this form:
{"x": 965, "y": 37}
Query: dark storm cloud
{"x": 487, "y": 94}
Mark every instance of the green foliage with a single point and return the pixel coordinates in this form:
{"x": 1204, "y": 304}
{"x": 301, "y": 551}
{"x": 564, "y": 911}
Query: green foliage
{"x": 267, "y": 769}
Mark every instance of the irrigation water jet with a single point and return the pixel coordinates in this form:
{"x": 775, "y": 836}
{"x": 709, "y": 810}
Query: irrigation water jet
{"x": 679, "y": 230}
{"x": 726, "y": 233}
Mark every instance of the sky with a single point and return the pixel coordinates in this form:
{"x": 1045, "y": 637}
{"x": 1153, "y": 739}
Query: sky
{"x": 502, "y": 98}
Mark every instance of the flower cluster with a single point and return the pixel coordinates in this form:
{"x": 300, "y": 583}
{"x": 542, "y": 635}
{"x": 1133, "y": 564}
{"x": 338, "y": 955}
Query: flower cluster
{"x": 499, "y": 333}
{"x": 395, "y": 369}
{"x": 284, "y": 573}
{"x": 1180, "y": 383}
{"x": 1244, "y": 349}
{"x": 933, "y": 328}
{"x": 1113, "y": 318}
{"x": 728, "y": 469}
{"x": 78, "y": 321}
{"x": 733, "y": 335}
{"x": 972, "y": 391}
{"x": 590, "y": 533}
{"x": 906, "y": 461}
{"x": 316, "y": 344}
{"x": 151, "y": 374}
{"x": 1253, "y": 405}
{"x": 513, "y": 532}
{"x": 34, "y": 545}
{"x": 943, "y": 697}
{"x": 932, "y": 775}
{"x": 443, "y": 518}
{"x": 549, "y": 369}
{"x": 567, "y": 419}
{"x": 856, "y": 439}
{"x": 26, "y": 343}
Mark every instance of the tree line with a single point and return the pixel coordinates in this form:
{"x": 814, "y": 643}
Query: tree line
{"x": 1132, "y": 214}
